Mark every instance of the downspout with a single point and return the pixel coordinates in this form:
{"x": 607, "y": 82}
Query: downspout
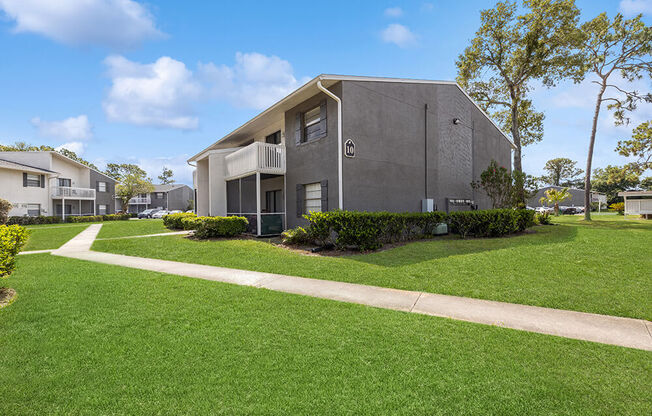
{"x": 339, "y": 142}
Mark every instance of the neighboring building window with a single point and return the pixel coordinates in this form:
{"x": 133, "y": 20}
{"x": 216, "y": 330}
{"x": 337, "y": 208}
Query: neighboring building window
{"x": 274, "y": 138}
{"x": 311, "y": 124}
{"x": 101, "y": 209}
{"x": 101, "y": 187}
{"x": 159, "y": 195}
{"x": 33, "y": 210}
{"x": 65, "y": 182}
{"x": 312, "y": 197}
{"x": 33, "y": 181}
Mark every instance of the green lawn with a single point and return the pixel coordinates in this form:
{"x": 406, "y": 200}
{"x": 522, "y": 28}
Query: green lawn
{"x": 601, "y": 267}
{"x": 86, "y": 338}
{"x": 113, "y": 229}
{"x": 51, "y": 236}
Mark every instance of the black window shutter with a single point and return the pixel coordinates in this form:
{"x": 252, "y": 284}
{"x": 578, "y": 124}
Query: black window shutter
{"x": 324, "y": 195}
{"x": 24, "y": 179}
{"x": 297, "y": 129}
{"x": 42, "y": 181}
{"x": 323, "y": 122}
{"x": 97, "y": 186}
{"x": 299, "y": 200}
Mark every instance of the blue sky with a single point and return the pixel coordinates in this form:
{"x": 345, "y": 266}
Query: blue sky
{"x": 155, "y": 82}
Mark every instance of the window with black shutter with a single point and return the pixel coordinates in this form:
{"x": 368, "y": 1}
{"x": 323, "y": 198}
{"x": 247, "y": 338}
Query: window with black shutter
{"x": 311, "y": 124}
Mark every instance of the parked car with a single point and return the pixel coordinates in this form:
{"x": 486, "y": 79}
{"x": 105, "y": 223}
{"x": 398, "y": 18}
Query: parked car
{"x": 542, "y": 210}
{"x": 147, "y": 213}
{"x": 160, "y": 213}
{"x": 568, "y": 210}
{"x": 176, "y": 211}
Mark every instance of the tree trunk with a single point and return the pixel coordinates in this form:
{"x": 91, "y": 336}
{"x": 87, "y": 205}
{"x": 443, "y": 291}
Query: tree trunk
{"x": 589, "y": 158}
{"x": 516, "y": 135}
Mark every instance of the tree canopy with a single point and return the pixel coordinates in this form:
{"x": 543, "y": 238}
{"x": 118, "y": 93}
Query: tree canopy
{"x": 562, "y": 172}
{"x": 639, "y": 146}
{"x": 166, "y": 176}
{"x": 510, "y": 51}
{"x": 614, "y": 179}
{"x": 132, "y": 181}
{"x": 25, "y": 147}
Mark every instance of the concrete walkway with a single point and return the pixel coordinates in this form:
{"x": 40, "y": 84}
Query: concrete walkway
{"x": 626, "y": 332}
{"x": 147, "y": 235}
{"x": 36, "y": 251}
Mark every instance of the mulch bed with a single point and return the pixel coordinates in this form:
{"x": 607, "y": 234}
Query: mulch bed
{"x": 7, "y": 296}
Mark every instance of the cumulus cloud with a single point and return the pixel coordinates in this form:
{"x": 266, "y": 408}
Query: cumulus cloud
{"x": 77, "y": 147}
{"x": 634, "y": 7}
{"x": 160, "y": 94}
{"x": 254, "y": 81}
{"x": 399, "y": 35}
{"x": 112, "y": 23}
{"x": 71, "y": 128}
{"x": 393, "y": 12}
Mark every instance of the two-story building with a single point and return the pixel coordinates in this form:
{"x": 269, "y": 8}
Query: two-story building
{"x": 170, "y": 197}
{"x": 354, "y": 143}
{"x": 48, "y": 183}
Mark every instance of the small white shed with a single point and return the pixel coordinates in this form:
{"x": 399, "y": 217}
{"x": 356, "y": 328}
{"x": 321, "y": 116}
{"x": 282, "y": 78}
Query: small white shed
{"x": 638, "y": 203}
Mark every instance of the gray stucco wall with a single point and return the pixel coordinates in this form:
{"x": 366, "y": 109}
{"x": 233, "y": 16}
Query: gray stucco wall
{"x": 387, "y": 121}
{"x": 103, "y": 198}
{"x": 178, "y": 198}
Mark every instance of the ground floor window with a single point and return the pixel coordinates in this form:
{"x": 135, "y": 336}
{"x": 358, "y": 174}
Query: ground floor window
{"x": 33, "y": 210}
{"x": 312, "y": 197}
{"x": 101, "y": 209}
{"x": 273, "y": 201}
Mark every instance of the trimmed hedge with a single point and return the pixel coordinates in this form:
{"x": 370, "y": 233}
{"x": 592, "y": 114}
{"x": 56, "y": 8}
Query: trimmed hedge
{"x": 98, "y": 218}
{"x": 370, "y": 230}
{"x": 12, "y": 239}
{"x": 173, "y": 221}
{"x": 25, "y": 220}
{"x": 210, "y": 227}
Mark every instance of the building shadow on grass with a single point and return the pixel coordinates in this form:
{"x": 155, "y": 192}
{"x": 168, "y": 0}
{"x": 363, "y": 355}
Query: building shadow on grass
{"x": 452, "y": 245}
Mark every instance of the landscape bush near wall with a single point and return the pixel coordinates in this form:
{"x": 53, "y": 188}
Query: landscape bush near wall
{"x": 370, "y": 230}
{"x": 207, "y": 227}
{"x": 12, "y": 239}
{"x": 98, "y": 218}
{"x": 25, "y": 220}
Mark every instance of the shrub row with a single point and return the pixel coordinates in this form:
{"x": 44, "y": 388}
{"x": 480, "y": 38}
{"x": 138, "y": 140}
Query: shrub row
{"x": 25, "y": 220}
{"x": 12, "y": 239}
{"x": 173, "y": 221}
{"x": 207, "y": 227}
{"x": 97, "y": 218}
{"x": 370, "y": 230}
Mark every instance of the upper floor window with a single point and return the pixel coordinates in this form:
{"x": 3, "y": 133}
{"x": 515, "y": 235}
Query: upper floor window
{"x": 274, "y": 138}
{"x": 31, "y": 180}
{"x": 101, "y": 187}
{"x": 158, "y": 195}
{"x": 65, "y": 182}
{"x": 311, "y": 124}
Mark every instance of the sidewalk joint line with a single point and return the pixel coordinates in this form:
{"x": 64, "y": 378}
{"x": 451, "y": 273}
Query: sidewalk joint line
{"x": 415, "y": 302}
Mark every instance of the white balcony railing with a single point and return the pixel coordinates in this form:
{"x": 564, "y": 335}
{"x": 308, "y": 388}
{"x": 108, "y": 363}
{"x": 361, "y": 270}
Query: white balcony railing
{"x": 73, "y": 193}
{"x": 257, "y": 157}
{"x": 140, "y": 200}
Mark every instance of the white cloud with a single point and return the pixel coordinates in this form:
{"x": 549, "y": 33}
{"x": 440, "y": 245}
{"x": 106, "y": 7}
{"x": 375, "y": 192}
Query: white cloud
{"x": 77, "y": 147}
{"x": 154, "y": 165}
{"x": 399, "y": 35}
{"x": 393, "y": 12}
{"x": 160, "y": 94}
{"x": 255, "y": 81}
{"x": 112, "y": 23}
{"x": 72, "y": 128}
{"x": 635, "y": 7}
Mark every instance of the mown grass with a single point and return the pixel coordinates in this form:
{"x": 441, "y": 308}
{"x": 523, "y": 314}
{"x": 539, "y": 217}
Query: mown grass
{"x": 113, "y": 229}
{"x": 86, "y": 338}
{"x": 600, "y": 267}
{"x": 51, "y": 236}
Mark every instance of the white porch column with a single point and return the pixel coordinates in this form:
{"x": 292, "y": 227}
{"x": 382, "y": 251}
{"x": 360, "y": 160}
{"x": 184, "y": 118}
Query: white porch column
{"x": 63, "y": 209}
{"x": 94, "y": 213}
{"x": 258, "y": 221}
{"x": 80, "y": 213}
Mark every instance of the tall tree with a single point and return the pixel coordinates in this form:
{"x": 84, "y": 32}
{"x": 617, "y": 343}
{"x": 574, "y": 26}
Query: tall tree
{"x": 555, "y": 196}
{"x": 614, "y": 48}
{"x": 639, "y": 146}
{"x": 132, "y": 180}
{"x": 72, "y": 155}
{"x": 561, "y": 172}
{"x": 166, "y": 176}
{"x": 511, "y": 51}
{"x": 614, "y": 179}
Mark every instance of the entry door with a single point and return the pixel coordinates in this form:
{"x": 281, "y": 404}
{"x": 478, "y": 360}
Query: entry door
{"x": 68, "y": 209}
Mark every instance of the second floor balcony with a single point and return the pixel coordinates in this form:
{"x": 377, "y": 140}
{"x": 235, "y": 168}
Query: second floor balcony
{"x": 256, "y": 157}
{"x": 141, "y": 200}
{"x": 61, "y": 192}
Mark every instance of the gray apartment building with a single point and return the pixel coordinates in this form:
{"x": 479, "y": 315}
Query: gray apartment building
{"x": 576, "y": 197}
{"x": 170, "y": 197}
{"x": 354, "y": 143}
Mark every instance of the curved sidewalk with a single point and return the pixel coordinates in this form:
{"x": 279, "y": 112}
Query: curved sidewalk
{"x": 626, "y": 332}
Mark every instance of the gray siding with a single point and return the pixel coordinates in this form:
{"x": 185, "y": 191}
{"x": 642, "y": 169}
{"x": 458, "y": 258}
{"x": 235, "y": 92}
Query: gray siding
{"x": 178, "y": 198}
{"x": 576, "y": 199}
{"x": 103, "y": 198}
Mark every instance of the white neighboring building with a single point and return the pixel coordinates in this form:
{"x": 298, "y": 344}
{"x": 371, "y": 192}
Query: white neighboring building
{"x": 48, "y": 183}
{"x": 638, "y": 203}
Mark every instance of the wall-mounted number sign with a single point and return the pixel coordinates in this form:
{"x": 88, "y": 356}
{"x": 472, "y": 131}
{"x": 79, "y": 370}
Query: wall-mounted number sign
{"x": 349, "y": 148}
